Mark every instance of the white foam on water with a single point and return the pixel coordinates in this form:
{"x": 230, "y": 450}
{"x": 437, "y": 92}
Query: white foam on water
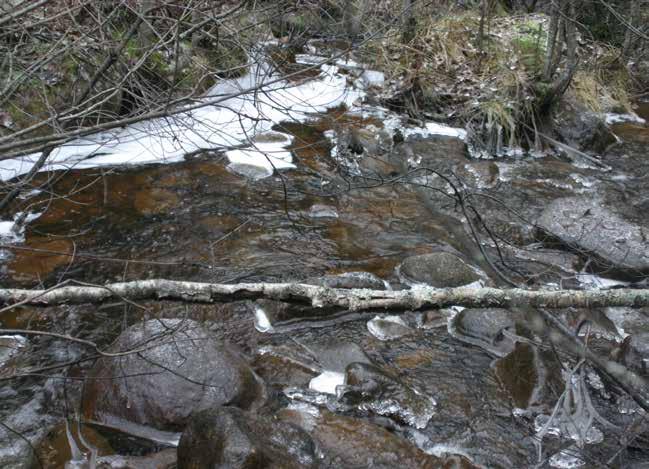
{"x": 13, "y": 232}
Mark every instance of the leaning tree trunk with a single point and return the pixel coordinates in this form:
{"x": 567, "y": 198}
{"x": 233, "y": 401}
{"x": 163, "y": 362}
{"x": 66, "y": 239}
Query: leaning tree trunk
{"x": 551, "y": 46}
{"x": 630, "y": 35}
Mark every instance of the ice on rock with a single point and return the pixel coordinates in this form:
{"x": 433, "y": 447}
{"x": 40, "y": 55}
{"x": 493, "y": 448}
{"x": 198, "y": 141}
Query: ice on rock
{"x": 262, "y": 322}
{"x": 567, "y": 459}
{"x": 327, "y": 381}
{"x": 388, "y": 327}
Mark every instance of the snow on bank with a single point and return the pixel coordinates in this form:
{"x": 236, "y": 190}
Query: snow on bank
{"x": 231, "y": 123}
{"x": 612, "y": 118}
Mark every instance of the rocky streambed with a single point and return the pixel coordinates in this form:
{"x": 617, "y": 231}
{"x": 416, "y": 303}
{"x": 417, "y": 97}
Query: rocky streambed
{"x": 344, "y": 193}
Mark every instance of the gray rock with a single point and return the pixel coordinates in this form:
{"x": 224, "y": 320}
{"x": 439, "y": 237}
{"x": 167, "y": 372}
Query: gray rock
{"x": 183, "y": 369}
{"x": 295, "y": 365}
{"x": 438, "y": 269}
{"x": 484, "y": 328}
{"x": 587, "y": 131}
{"x": 228, "y": 437}
{"x": 618, "y": 246}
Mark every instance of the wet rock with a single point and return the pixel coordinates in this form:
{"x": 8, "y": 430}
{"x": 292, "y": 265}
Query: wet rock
{"x": 437, "y": 269}
{"x": 388, "y": 327}
{"x": 181, "y": 369}
{"x": 378, "y": 165}
{"x": 32, "y": 423}
{"x": 296, "y": 366}
{"x": 349, "y": 280}
{"x": 336, "y": 356}
{"x": 348, "y": 442}
{"x": 369, "y": 388}
{"x": 520, "y": 374}
{"x": 229, "y": 437}
{"x": 165, "y": 459}
{"x": 587, "y": 131}
{"x": 484, "y": 328}
{"x": 617, "y": 245}
{"x": 283, "y": 371}
{"x": 633, "y": 353}
{"x": 9, "y": 346}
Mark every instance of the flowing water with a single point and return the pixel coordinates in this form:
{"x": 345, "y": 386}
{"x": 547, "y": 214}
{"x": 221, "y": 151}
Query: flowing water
{"x": 229, "y": 216}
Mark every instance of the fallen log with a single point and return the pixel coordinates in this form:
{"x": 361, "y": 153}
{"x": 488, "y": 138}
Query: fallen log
{"x": 72, "y": 292}
{"x": 316, "y": 296}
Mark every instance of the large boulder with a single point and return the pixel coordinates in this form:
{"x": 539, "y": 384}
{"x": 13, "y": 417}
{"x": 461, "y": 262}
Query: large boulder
{"x": 484, "y": 328}
{"x": 228, "y": 437}
{"x": 586, "y": 130}
{"x": 178, "y": 367}
{"x": 615, "y": 245}
{"x": 438, "y": 269}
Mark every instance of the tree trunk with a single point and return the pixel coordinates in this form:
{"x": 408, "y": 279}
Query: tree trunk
{"x": 320, "y": 297}
{"x": 553, "y": 29}
{"x": 409, "y": 22}
{"x": 629, "y": 35}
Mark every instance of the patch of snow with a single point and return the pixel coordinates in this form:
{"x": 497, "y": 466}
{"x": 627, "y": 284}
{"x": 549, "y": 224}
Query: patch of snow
{"x": 373, "y": 78}
{"x": 612, "y": 118}
{"x": 236, "y": 118}
{"x": 327, "y": 381}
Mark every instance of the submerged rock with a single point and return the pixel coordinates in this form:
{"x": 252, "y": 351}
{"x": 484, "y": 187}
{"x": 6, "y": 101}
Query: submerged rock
{"x": 348, "y": 442}
{"x": 229, "y": 437}
{"x": 369, "y": 388}
{"x": 438, "y": 269}
{"x": 181, "y": 368}
{"x": 522, "y": 374}
{"x": 484, "y": 328}
{"x": 617, "y": 245}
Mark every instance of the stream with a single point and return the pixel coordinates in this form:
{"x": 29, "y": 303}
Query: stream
{"x": 188, "y": 199}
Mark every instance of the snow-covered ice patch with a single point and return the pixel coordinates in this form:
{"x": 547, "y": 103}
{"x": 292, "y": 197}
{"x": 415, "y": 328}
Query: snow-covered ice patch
{"x": 327, "y": 381}
{"x": 612, "y": 118}
{"x": 233, "y": 112}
